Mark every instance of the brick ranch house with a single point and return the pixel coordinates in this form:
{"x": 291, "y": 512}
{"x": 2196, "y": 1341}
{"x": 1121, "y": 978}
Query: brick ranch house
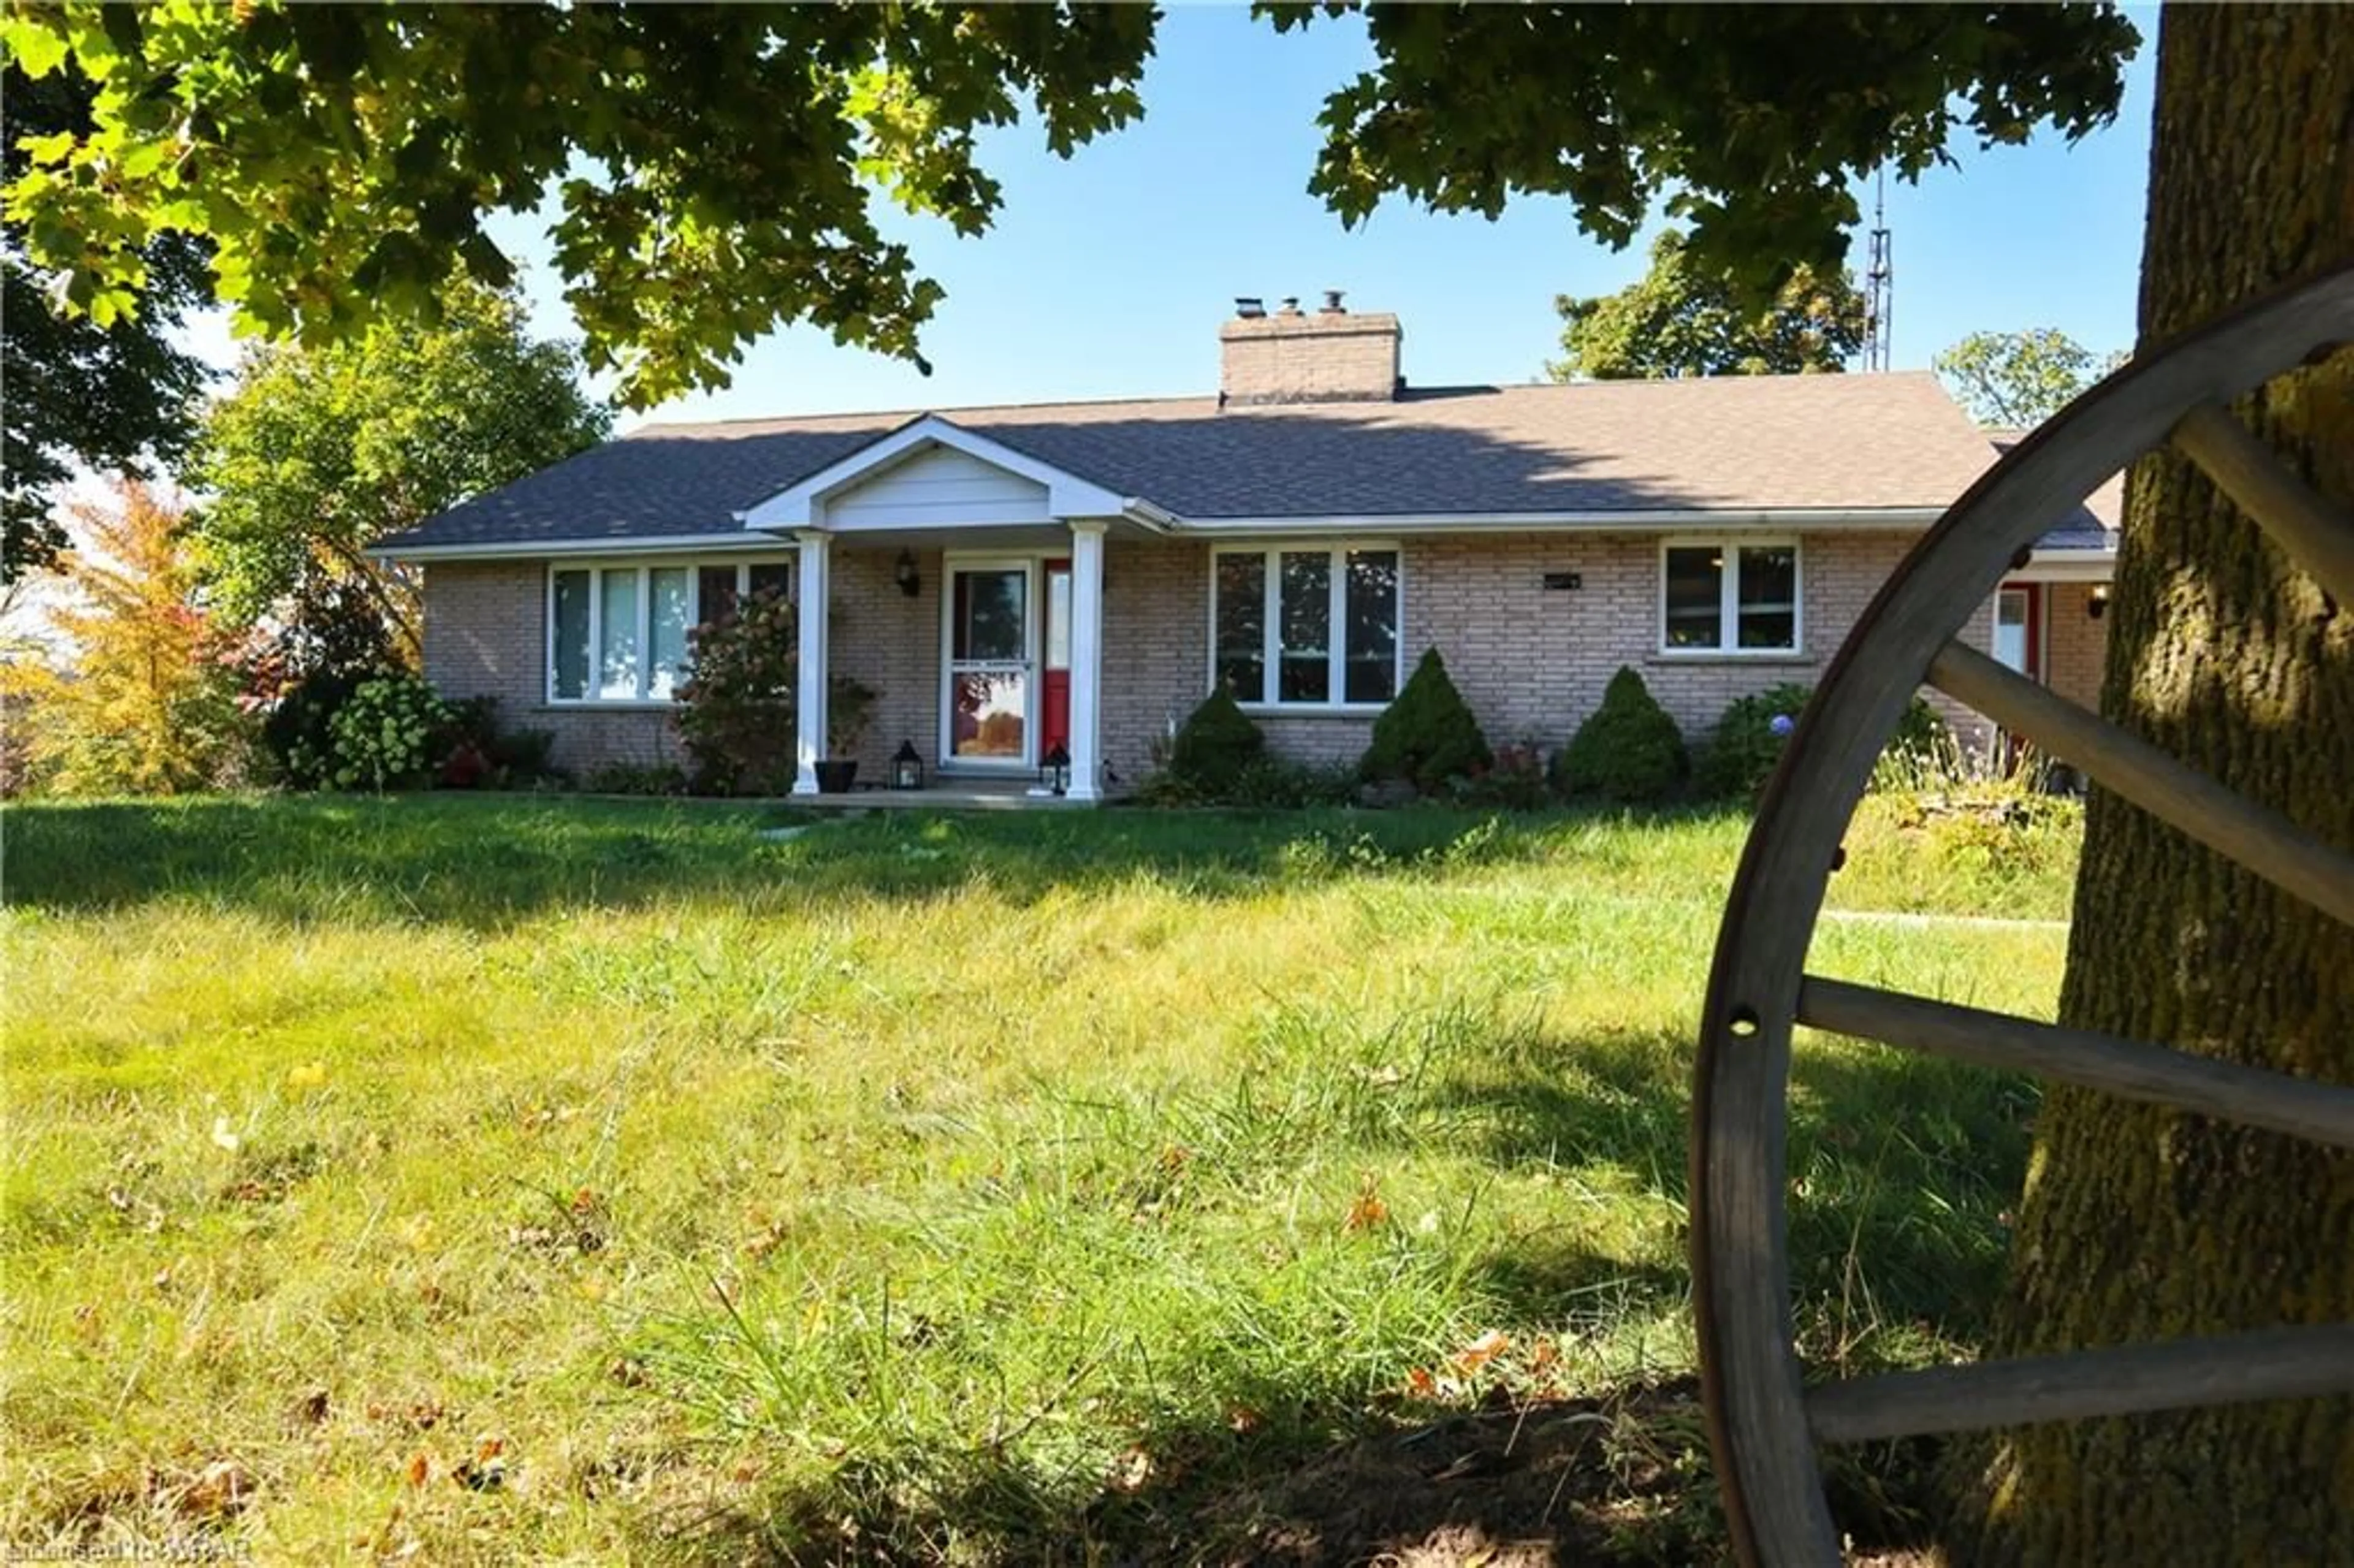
{"x": 1009, "y": 579}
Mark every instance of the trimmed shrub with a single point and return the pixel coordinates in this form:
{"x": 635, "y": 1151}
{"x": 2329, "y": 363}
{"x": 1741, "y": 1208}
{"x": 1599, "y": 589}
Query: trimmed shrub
{"x": 1748, "y": 740}
{"x": 1628, "y": 749}
{"x": 298, "y": 734}
{"x": 1214, "y": 744}
{"x": 390, "y": 736}
{"x": 1427, "y": 734}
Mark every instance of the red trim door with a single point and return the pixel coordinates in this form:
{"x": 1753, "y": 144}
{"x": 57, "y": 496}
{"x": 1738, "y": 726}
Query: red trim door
{"x": 1055, "y": 684}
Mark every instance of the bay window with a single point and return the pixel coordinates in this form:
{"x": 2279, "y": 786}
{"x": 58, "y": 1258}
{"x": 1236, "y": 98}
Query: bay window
{"x": 1729, "y": 596}
{"x": 619, "y": 633}
{"x": 1305, "y": 626}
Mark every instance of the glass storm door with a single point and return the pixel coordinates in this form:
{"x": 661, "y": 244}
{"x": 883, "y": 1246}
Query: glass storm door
{"x": 990, "y": 674}
{"x": 1054, "y": 682}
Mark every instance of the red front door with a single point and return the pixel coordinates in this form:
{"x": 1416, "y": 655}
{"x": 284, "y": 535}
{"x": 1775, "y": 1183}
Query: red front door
{"x": 1054, "y": 688}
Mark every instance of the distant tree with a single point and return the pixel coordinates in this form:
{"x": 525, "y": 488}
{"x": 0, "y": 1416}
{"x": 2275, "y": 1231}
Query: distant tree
{"x": 149, "y": 704}
{"x": 315, "y": 454}
{"x": 2019, "y": 379}
{"x": 1683, "y": 319}
{"x": 104, "y": 396}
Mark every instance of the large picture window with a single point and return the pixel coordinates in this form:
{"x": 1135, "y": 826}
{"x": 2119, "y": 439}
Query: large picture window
{"x": 1729, "y": 596}
{"x": 1306, "y": 627}
{"x": 619, "y": 633}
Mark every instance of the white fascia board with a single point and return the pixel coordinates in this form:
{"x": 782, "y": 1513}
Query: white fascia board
{"x": 2066, "y": 566}
{"x": 1784, "y": 520}
{"x": 541, "y": 549}
{"x": 802, "y": 505}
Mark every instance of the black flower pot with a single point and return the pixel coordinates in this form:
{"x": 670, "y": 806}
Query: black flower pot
{"x": 834, "y": 776}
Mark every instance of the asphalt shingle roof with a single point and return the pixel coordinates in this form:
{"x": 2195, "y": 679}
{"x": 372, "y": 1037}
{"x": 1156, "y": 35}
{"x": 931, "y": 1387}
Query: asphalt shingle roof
{"x": 1840, "y": 442}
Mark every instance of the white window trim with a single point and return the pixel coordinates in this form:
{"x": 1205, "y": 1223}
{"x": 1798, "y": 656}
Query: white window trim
{"x": 1336, "y": 678}
{"x": 641, "y": 568}
{"x": 1033, "y": 698}
{"x": 1729, "y": 596}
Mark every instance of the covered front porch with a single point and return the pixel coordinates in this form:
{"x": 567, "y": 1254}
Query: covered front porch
{"x": 954, "y": 590}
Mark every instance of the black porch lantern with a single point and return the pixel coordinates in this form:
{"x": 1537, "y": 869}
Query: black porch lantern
{"x": 911, "y": 581}
{"x": 2096, "y": 603}
{"x": 1056, "y": 772}
{"x": 906, "y": 767}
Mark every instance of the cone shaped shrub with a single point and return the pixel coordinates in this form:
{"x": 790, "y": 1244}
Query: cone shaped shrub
{"x": 1627, "y": 749}
{"x": 1214, "y": 744}
{"x": 1427, "y": 734}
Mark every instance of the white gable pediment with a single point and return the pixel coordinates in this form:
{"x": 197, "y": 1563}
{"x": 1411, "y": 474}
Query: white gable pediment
{"x": 932, "y": 474}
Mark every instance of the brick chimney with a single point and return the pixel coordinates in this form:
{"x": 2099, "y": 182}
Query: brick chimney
{"x": 1289, "y": 356}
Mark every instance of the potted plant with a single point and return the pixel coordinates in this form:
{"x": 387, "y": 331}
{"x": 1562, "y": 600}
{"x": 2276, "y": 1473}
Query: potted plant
{"x": 849, "y": 707}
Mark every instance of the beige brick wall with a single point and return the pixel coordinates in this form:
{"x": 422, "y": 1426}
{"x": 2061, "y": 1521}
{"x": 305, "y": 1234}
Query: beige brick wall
{"x": 486, "y": 635}
{"x": 2076, "y": 645}
{"x": 1532, "y": 662}
{"x": 1331, "y": 356}
{"x": 892, "y": 642}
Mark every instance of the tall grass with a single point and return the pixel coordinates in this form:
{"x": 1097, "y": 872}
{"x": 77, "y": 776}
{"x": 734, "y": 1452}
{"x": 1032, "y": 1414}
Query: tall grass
{"x": 502, "y": 1179}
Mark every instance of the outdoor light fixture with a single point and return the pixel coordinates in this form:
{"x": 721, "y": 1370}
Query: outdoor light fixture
{"x": 905, "y": 573}
{"x": 2096, "y": 603}
{"x": 1057, "y": 773}
{"x": 906, "y": 767}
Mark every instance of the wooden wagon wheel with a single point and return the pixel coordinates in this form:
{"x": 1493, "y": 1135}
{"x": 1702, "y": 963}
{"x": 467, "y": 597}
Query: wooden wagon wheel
{"x": 1764, "y": 1421}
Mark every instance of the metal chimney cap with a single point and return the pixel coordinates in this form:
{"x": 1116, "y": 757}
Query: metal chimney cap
{"x": 1290, "y": 305}
{"x": 1249, "y": 307}
{"x": 1332, "y": 306}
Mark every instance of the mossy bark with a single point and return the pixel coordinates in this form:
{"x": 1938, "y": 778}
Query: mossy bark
{"x": 2141, "y": 1224}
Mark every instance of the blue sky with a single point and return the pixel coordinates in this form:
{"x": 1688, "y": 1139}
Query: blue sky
{"x": 1107, "y": 275}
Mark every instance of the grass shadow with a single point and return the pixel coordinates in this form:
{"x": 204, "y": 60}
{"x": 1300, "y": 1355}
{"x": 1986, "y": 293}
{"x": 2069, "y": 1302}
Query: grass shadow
{"x": 486, "y": 863}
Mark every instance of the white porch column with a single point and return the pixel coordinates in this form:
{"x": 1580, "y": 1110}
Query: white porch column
{"x": 1087, "y": 660}
{"x": 813, "y": 583}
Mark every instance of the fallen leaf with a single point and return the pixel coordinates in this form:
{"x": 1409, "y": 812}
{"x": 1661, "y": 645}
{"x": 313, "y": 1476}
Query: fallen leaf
{"x": 1132, "y": 1470}
{"x": 222, "y": 1137}
{"x": 1242, "y": 1420}
{"x": 217, "y": 1492}
{"x": 308, "y": 1076}
{"x": 1421, "y": 1384}
{"x": 420, "y": 1468}
{"x": 1368, "y": 1211}
{"x": 1482, "y": 1351}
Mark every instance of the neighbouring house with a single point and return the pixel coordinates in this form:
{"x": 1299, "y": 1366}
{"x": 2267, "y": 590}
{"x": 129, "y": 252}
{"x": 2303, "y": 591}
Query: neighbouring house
{"x": 1012, "y": 579}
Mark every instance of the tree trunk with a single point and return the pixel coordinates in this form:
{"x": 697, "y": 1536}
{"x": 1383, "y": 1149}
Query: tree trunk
{"x": 2138, "y": 1224}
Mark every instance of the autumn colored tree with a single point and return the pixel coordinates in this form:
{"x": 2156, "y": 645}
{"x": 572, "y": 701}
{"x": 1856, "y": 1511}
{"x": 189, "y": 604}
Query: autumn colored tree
{"x": 1680, "y": 319}
{"x": 147, "y": 704}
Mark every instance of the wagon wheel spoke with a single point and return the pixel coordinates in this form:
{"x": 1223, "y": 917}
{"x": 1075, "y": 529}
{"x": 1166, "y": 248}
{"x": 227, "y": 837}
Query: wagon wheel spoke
{"x": 2130, "y": 1069}
{"x": 2225, "y": 1368}
{"x": 2317, "y": 536}
{"x": 2257, "y": 837}
{"x": 1764, "y": 1424}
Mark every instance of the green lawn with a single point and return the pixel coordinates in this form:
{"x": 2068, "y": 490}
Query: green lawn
{"x": 504, "y": 1178}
